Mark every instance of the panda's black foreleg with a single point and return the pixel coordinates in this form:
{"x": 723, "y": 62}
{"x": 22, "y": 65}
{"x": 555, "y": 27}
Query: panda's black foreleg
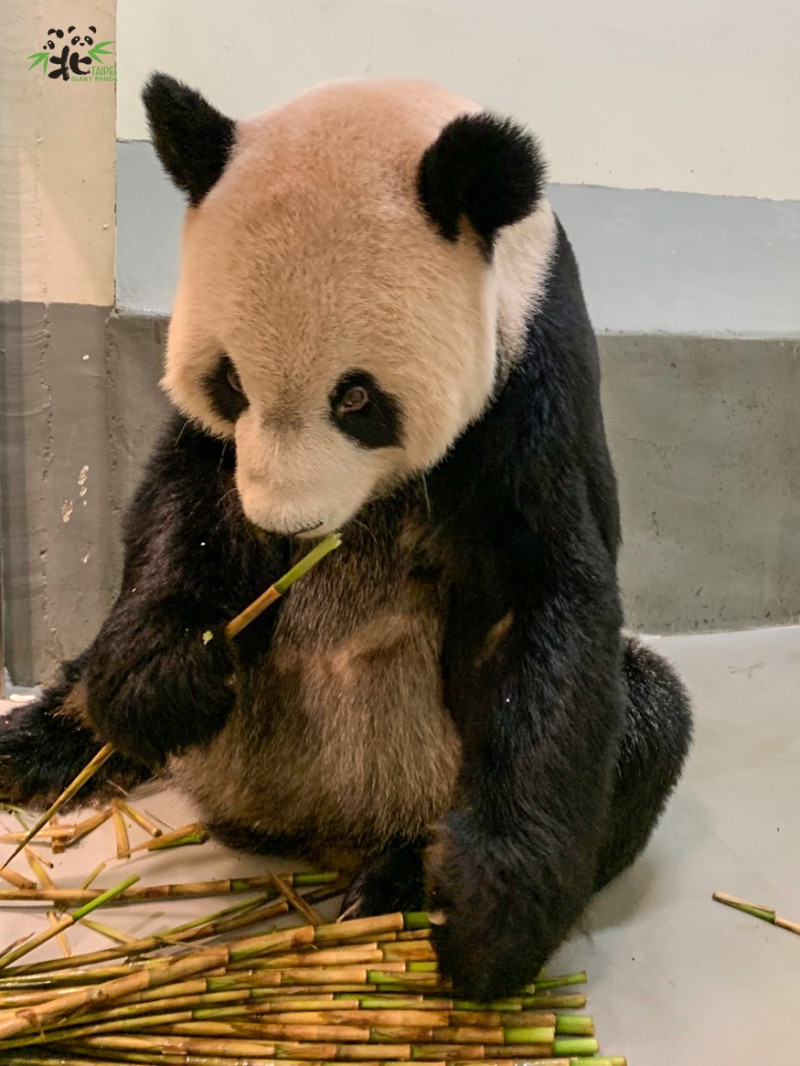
{"x": 161, "y": 675}
{"x": 532, "y": 668}
{"x": 46, "y": 743}
{"x": 652, "y": 751}
{"x": 393, "y": 881}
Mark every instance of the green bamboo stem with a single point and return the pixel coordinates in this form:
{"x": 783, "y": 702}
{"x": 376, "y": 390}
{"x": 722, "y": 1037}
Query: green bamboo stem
{"x": 562, "y": 981}
{"x": 64, "y": 923}
{"x": 274, "y": 592}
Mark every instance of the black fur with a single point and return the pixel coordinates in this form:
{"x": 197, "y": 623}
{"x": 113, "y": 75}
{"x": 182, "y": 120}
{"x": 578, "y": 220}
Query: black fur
{"x": 485, "y": 169}
{"x": 571, "y": 743}
{"x": 192, "y": 562}
{"x": 43, "y": 748}
{"x": 377, "y": 425}
{"x": 193, "y": 140}
{"x": 227, "y": 399}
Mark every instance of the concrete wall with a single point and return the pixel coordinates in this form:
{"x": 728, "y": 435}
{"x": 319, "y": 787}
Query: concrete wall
{"x": 693, "y": 95}
{"x": 57, "y": 202}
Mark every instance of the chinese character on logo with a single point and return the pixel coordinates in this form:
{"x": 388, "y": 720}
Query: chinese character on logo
{"x": 75, "y": 56}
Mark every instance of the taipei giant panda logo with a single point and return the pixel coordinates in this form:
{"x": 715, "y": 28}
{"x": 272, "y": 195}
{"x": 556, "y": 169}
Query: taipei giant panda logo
{"x": 74, "y": 54}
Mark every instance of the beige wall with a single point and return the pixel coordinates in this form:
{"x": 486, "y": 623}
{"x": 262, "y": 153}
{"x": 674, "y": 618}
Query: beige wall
{"x": 57, "y": 151}
{"x": 691, "y": 95}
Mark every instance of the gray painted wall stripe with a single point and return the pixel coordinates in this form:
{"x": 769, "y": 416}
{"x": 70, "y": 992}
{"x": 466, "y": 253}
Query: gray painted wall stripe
{"x": 651, "y": 261}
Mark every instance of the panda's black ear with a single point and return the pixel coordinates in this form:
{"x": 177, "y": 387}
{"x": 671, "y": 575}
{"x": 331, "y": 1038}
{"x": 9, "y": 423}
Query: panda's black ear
{"x": 484, "y": 168}
{"x": 192, "y": 139}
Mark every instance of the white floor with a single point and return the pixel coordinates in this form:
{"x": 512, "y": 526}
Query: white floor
{"x": 674, "y": 978}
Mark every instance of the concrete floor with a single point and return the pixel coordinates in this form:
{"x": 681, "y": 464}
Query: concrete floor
{"x": 674, "y": 978}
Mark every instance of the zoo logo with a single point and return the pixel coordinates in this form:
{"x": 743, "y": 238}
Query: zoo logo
{"x": 76, "y": 57}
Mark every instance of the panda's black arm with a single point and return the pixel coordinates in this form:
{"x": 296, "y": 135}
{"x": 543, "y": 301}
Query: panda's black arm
{"x": 532, "y": 675}
{"x": 532, "y": 654}
{"x": 191, "y": 563}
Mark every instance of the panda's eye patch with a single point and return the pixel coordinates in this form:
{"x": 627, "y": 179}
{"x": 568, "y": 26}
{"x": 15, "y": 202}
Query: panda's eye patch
{"x": 223, "y": 386}
{"x": 361, "y": 409}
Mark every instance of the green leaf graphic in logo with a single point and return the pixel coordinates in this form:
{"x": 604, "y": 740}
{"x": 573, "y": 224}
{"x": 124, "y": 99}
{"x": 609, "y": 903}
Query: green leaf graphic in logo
{"x": 39, "y": 57}
{"x": 101, "y": 50}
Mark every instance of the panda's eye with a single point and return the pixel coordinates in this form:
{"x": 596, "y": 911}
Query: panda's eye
{"x": 355, "y": 399}
{"x": 233, "y": 379}
{"x": 224, "y": 389}
{"x": 75, "y": 39}
{"x": 363, "y": 411}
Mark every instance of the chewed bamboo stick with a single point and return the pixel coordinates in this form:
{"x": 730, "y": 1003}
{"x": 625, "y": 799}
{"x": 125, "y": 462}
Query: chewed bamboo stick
{"x": 141, "y": 820}
{"x": 94, "y": 875}
{"x": 194, "y": 833}
{"x": 61, "y": 936}
{"x": 47, "y": 834}
{"x": 82, "y": 829}
{"x": 296, "y": 900}
{"x": 39, "y": 871}
{"x": 86, "y": 773}
{"x": 17, "y": 880}
{"x": 120, "y": 832}
{"x": 106, "y": 930}
{"x": 766, "y": 914}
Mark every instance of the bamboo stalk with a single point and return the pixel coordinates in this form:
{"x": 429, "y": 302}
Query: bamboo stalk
{"x": 296, "y": 900}
{"x": 120, "y": 832}
{"x": 64, "y": 923}
{"x": 17, "y": 880}
{"x": 188, "y": 834}
{"x": 186, "y": 890}
{"x": 39, "y": 871}
{"x": 44, "y": 835}
{"x": 141, "y": 820}
{"x": 182, "y": 934}
{"x": 61, "y": 936}
{"x": 94, "y": 874}
{"x": 166, "y": 971}
{"x": 274, "y": 592}
{"x": 86, "y": 773}
{"x": 82, "y": 829}
{"x": 106, "y": 930}
{"x": 766, "y": 914}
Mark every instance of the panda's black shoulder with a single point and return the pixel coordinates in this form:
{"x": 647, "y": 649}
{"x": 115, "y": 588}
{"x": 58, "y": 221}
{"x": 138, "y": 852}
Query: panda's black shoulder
{"x": 544, "y": 427}
{"x": 186, "y": 469}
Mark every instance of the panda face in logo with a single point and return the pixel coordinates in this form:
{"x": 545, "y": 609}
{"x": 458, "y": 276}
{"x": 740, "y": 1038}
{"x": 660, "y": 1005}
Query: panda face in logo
{"x": 339, "y": 329}
{"x": 81, "y": 42}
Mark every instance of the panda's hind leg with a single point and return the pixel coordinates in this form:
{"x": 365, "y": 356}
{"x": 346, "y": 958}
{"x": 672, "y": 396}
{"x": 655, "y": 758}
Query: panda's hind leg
{"x": 393, "y": 881}
{"x": 45, "y": 744}
{"x": 653, "y": 750}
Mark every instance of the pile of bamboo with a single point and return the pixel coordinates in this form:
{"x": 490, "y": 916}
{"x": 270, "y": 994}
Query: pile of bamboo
{"x": 365, "y": 991}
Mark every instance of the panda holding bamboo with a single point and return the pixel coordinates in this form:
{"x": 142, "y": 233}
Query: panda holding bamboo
{"x": 379, "y": 329}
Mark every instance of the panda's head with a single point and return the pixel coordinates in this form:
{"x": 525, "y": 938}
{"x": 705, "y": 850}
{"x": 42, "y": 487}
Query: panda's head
{"x": 358, "y": 268}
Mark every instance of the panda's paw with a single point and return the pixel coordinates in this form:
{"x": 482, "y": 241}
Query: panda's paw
{"x": 489, "y": 925}
{"x": 391, "y": 882}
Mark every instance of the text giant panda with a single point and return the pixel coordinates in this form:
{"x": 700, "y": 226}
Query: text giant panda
{"x": 379, "y": 328}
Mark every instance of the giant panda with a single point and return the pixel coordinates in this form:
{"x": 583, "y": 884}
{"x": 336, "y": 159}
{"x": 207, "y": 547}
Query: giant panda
{"x": 379, "y": 329}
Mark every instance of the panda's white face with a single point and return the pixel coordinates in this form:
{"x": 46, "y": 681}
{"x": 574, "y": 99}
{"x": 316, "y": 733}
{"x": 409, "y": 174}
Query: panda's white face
{"x": 322, "y": 321}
